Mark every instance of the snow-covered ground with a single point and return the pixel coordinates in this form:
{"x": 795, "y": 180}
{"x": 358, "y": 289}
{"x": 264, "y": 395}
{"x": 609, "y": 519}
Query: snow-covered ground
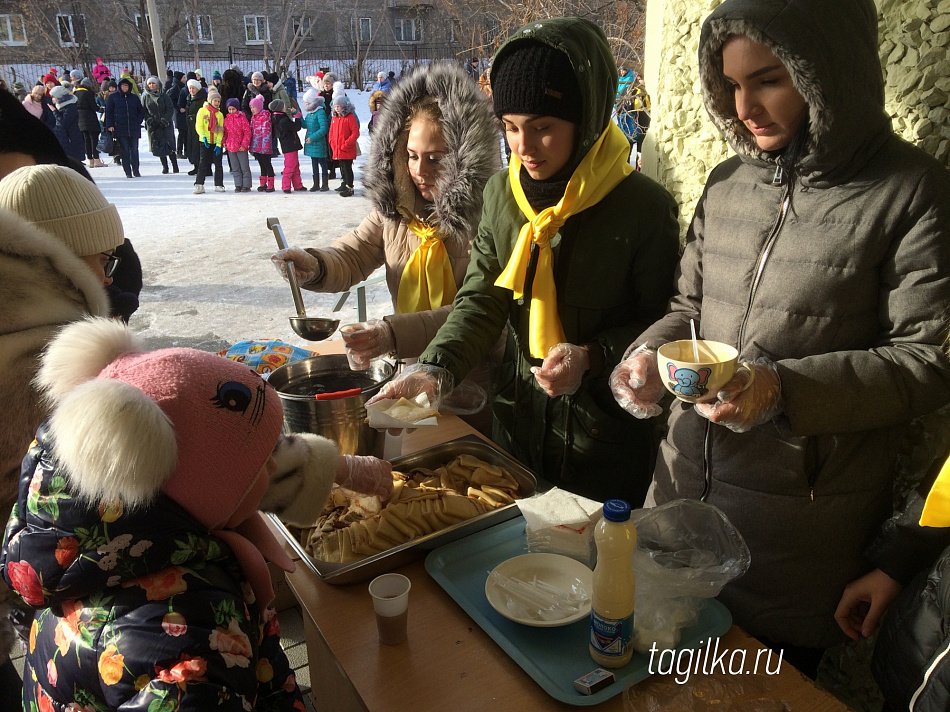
{"x": 209, "y": 280}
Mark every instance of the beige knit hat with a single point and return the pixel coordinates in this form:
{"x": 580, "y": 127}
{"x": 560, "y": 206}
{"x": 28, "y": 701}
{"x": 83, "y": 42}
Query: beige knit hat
{"x": 64, "y": 204}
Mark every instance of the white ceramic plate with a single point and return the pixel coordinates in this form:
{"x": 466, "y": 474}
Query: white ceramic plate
{"x": 554, "y": 569}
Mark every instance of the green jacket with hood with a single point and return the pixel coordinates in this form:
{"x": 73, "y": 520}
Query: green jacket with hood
{"x": 846, "y": 291}
{"x": 613, "y": 270}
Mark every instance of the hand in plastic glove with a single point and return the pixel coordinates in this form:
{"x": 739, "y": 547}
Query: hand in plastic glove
{"x": 562, "y": 370}
{"x": 436, "y": 382}
{"x": 863, "y": 603}
{"x": 217, "y": 150}
{"x": 368, "y": 475}
{"x": 636, "y": 383}
{"x": 306, "y": 266}
{"x": 752, "y": 397}
{"x": 206, "y": 143}
{"x": 368, "y": 339}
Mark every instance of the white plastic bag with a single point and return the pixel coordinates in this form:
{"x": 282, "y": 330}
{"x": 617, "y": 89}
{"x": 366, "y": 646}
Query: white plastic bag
{"x": 687, "y": 551}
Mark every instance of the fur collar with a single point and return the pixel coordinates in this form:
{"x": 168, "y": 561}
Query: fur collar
{"x": 42, "y": 282}
{"x": 471, "y": 134}
{"x": 840, "y": 80}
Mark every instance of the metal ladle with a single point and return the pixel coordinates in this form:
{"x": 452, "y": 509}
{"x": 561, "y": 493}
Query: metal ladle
{"x": 306, "y": 327}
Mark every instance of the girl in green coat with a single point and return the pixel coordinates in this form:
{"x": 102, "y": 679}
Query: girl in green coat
{"x": 575, "y": 254}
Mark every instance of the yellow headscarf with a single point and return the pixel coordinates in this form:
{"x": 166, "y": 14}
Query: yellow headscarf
{"x": 600, "y": 171}
{"x": 427, "y": 281}
{"x": 937, "y": 507}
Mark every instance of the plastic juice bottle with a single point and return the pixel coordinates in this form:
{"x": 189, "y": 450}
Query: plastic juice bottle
{"x": 611, "y": 614}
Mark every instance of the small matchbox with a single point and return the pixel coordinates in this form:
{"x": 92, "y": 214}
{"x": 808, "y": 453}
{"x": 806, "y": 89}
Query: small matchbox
{"x": 594, "y": 681}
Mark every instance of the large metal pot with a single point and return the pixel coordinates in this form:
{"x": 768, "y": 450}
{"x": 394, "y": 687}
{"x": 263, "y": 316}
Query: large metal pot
{"x": 322, "y": 395}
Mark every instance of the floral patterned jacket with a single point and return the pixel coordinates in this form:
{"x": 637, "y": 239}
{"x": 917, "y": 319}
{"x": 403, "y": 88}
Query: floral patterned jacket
{"x": 262, "y": 134}
{"x": 139, "y": 610}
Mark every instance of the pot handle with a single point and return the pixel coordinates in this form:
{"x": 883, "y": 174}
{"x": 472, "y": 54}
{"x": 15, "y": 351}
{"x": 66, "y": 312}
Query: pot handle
{"x": 338, "y": 394}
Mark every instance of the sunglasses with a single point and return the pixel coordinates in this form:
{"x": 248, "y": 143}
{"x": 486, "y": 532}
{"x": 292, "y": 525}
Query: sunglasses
{"x": 112, "y": 262}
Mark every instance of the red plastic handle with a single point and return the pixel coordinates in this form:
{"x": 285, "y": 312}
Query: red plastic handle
{"x": 338, "y": 394}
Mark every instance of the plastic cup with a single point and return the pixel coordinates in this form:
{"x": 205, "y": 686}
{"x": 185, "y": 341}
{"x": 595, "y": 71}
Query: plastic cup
{"x": 390, "y": 594}
{"x": 356, "y": 363}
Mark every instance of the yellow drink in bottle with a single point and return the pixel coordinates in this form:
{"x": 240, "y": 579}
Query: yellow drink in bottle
{"x": 611, "y": 614}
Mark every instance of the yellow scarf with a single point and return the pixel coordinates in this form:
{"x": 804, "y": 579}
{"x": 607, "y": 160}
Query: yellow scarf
{"x": 600, "y": 171}
{"x": 937, "y": 507}
{"x": 427, "y": 281}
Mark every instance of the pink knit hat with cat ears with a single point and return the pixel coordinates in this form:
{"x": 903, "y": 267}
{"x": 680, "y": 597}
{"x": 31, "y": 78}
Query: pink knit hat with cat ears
{"x": 129, "y": 424}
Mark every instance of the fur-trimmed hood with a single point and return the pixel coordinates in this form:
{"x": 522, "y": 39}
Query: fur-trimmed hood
{"x": 470, "y": 132}
{"x": 42, "y": 283}
{"x": 842, "y": 83}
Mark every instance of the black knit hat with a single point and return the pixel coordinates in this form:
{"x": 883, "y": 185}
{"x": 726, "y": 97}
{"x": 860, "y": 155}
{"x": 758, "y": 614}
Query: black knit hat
{"x": 534, "y": 78}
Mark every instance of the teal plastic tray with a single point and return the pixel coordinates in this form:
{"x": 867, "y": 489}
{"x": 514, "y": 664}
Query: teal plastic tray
{"x": 553, "y": 657}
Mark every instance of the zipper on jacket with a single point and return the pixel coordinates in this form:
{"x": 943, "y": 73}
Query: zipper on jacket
{"x": 763, "y": 258}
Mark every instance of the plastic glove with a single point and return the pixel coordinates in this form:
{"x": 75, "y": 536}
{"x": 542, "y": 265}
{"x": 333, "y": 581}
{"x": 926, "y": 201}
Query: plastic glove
{"x": 206, "y": 143}
{"x": 752, "y": 397}
{"x": 436, "y": 382}
{"x": 562, "y": 369}
{"x": 306, "y": 267}
{"x": 368, "y": 339}
{"x": 636, "y": 383}
{"x": 217, "y": 150}
{"x": 368, "y": 475}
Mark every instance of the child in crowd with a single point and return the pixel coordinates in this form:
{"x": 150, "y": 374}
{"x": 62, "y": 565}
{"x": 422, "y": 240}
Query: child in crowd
{"x": 237, "y": 141}
{"x": 285, "y": 129}
{"x": 344, "y": 130}
{"x": 262, "y": 142}
{"x": 148, "y": 592}
{"x": 317, "y": 124}
{"x": 210, "y": 128}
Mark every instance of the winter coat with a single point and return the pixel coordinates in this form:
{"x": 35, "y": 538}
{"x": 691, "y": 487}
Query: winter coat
{"x": 279, "y": 91}
{"x": 847, "y": 294}
{"x": 285, "y": 129}
{"x": 262, "y": 134}
{"x": 136, "y": 607}
{"x": 86, "y": 103}
{"x": 34, "y": 107}
{"x": 181, "y": 117}
{"x": 124, "y": 112}
{"x": 132, "y": 84}
{"x": 383, "y": 85}
{"x": 237, "y": 132}
{"x": 613, "y": 272}
{"x": 344, "y": 130}
{"x": 290, "y": 86}
{"x": 253, "y": 91}
{"x": 100, "y": 73}
{"x": 67, "y": 129}
{"x": 203, "y": 123}
{"x": 159, "y": 122}
{"x": 318, "y": 129}
{"x": 383, "y": 237}
{"x": 43, "y": 286}
{"x": 192, "y": 106}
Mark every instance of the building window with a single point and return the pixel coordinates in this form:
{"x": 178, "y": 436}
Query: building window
{"x": 304, "y": 26}
{"x": 408, "y": 29}
{"x": 12, "y": 30}
{"x": 143, "y": 24}
{"x": 205, "y": 36}
{"x": 455, "y": 31}
{"x": 256, "y": 29}
{"x": 366, "y": 29}
{"x": 70, "y": 28}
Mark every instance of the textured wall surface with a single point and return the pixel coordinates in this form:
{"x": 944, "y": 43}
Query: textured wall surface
{"x": 915, "y": 54}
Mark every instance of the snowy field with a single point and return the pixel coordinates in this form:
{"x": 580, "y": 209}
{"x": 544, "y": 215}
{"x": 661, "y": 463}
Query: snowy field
{"x": 209, "y": 280}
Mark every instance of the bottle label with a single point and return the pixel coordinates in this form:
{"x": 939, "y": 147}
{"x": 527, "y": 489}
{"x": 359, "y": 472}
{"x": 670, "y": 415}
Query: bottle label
{"x": 610, "y": 636}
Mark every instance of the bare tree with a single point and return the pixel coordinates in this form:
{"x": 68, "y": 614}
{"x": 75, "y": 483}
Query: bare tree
{"x": 135, "y": 31}
{"x": 60, "y": 29}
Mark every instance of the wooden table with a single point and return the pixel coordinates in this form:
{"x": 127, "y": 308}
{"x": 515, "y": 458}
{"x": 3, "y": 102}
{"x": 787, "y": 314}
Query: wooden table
{"x": 448, "y": 662}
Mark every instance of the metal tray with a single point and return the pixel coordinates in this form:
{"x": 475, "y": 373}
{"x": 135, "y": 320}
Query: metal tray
{"x": 395, "y": 557}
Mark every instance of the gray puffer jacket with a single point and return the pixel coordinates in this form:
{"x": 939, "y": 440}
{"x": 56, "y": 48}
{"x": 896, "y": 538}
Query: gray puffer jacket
{"x": 845, "y": 288}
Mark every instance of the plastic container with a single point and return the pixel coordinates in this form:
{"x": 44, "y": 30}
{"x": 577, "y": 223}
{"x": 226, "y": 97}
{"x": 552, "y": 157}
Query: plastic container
{"x": 611, "y": 614}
